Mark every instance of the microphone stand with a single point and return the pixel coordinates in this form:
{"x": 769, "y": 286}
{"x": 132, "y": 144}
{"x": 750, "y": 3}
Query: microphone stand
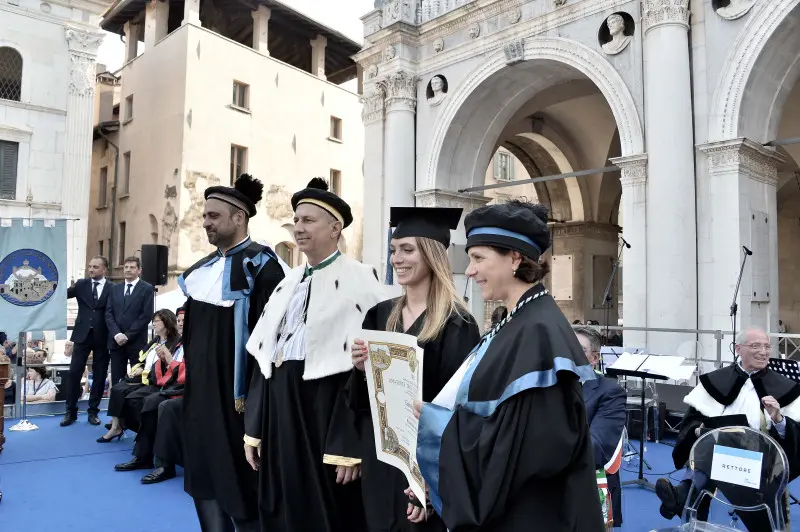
{"x": 734, "y": 304}
{"x": 607, "y": 295}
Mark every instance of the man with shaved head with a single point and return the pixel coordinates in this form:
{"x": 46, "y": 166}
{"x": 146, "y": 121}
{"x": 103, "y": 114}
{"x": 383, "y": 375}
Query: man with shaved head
{"x": 748, "y": 387}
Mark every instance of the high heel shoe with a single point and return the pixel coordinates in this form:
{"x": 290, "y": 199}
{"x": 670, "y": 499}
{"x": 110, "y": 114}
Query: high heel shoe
{"x": 102, "y": 439}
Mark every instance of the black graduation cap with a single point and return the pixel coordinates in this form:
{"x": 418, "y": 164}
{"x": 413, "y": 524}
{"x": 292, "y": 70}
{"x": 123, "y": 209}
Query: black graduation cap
{"x": 427, "y": 222}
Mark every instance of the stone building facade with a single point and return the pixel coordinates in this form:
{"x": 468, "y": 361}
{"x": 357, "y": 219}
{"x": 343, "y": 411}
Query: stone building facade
{"x": 47, "y": 64}
{"x": 685, "y": 99}
{"x": 221, "y": 90}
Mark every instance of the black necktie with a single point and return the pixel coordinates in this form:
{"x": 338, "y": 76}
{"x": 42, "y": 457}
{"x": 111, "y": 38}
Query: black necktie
{"x": 94, "y": 291}
{"x": 128, "y": 290}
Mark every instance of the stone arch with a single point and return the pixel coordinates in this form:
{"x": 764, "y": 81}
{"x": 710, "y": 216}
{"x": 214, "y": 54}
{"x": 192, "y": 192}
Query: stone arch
{"x": 758, "y": 74}
{"x": 562, "y": 59}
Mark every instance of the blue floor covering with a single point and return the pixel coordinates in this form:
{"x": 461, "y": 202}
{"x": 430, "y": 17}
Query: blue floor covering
{"x": 59, "y": 479}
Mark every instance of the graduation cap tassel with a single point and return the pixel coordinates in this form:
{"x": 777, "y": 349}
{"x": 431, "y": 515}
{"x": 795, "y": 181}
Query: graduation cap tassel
{"x": 389, "y": 273}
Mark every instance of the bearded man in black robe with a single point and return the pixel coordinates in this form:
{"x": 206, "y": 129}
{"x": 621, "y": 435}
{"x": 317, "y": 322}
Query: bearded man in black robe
{"x": 748, "y": 388}
{"x": 226, "y": 291}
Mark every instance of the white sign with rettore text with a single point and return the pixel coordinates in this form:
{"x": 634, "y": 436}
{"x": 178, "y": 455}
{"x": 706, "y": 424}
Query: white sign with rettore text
{"x": 737, "y": 466}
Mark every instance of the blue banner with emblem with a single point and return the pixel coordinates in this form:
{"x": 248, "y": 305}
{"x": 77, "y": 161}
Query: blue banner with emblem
{"x": 33, "y": 273}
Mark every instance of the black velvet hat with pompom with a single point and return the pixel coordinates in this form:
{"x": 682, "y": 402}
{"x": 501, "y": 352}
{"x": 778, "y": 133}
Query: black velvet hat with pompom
{"x": 244, "y": 194}
{"x": 316, "y": 193}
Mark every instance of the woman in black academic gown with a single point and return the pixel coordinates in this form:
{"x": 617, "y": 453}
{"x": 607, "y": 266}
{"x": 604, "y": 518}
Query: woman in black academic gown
{"x": 431, "y": 310}
{"x": 505, "y": 446}
{"x": 166, "y": 339}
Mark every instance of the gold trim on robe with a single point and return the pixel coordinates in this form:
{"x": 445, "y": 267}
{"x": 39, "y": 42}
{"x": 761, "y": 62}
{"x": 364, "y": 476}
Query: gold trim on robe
{"x": 346, "y": 461}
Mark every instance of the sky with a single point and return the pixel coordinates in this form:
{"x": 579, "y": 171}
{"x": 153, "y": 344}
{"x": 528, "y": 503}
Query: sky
{"x": 341, "y": 15}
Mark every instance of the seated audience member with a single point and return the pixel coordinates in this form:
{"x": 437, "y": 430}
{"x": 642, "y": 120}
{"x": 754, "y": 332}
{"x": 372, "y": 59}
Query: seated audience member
{"x": 748, "y": 387}
{"x": 168, "y": 447}
{"x": 169, "y": 375}
{"x": 128, "y": 395}
{"x": 605, "y": 412}
{"x": 40, "y": 389}
{"x": 10, "y": 390}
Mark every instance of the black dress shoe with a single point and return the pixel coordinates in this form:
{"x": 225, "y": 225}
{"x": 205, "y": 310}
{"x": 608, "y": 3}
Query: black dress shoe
{"x": 159, "y": 474}
{"x": 673, "y": 498}
{"x": 69, "y": 419}
{"x": 94, "y": 420}
{"x": 133, "y": 465}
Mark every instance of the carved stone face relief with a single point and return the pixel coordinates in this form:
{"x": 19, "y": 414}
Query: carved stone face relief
{"x": 735, "y": 9}
{"x": 616, "y": 25}
{"x": 474, "y": 31}
{"x": 438, "y": 45}
{"x": 389, "y": 53}
{"x": 514, "y": 15}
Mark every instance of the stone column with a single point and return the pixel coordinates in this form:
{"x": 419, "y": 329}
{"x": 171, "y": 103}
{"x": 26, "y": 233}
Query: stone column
{"x": 375, "y": 209}
{"x": 78, "y": 150}
{"x": 318, "y": 45}
{"x": 634, "y": 230}
{"x": 671, "y": 225}
{"x": 399, "y": 161}
{"x": 191, "y": 12}
{"x": 156, "y": 17}
{"x": 261, "y": 29}
{"x": 458, "y": 258}
{"x": 132, "y": 35}
{"x": 741, "y": 211}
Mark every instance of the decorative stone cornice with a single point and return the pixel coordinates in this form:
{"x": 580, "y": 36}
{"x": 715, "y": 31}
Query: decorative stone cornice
{"x": 743, "y": 157}
{"x": 660, "y": 12}
{"x": 633, "y": 170}
{"x": 373, "y": 106}
{"x": 435, "y": 197}
{"x": 401, "y": 91}
{"x": 598, "y": 231}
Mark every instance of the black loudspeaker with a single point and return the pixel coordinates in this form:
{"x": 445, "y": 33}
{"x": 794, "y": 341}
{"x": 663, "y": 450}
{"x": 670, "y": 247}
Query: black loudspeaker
{"x": 154, "y": 264}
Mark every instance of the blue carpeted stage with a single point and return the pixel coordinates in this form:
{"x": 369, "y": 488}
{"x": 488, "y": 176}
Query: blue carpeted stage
{"x": 60, "y": 479}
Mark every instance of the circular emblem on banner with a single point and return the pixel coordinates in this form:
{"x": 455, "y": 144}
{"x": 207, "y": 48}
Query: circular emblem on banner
{"x": 27, "y": 278}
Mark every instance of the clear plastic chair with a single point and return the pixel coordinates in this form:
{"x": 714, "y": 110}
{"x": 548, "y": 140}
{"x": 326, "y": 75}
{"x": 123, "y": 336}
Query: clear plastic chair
{"x": 764, "y": 503}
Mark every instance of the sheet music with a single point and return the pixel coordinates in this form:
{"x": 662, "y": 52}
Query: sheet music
{"x": 629, "y": 362}
{"x": 669, "y": 366}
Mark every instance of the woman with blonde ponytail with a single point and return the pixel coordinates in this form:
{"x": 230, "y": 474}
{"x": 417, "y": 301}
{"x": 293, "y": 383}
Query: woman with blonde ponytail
{"x": 430, "y": 309}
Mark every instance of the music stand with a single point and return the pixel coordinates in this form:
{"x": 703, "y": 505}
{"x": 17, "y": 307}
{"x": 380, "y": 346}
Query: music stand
{"x": 644, "y": 375}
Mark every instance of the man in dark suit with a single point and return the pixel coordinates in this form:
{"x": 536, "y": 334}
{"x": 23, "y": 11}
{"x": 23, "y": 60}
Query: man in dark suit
{"x": 605, "y": 412}
{"x": 128, "y": 312}
{"x": 90, "y": 335}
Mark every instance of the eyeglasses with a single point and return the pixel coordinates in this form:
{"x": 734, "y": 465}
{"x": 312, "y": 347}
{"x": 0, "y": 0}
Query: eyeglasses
{"x": 757, "y": 347}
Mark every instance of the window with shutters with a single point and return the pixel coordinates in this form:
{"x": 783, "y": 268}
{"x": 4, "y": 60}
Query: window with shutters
{"x": 503, "y": 166}
{"x": 238, "y": 162}
{"x": 121, "y": 256}
{"x": 124, "y": 189}
{"x": 10, "y": 74}
{"x": 285, "y": 251}
{"x": 102, "y": 194}
{"x": 9, "y": 151}
{"x": 336, "y": 182}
